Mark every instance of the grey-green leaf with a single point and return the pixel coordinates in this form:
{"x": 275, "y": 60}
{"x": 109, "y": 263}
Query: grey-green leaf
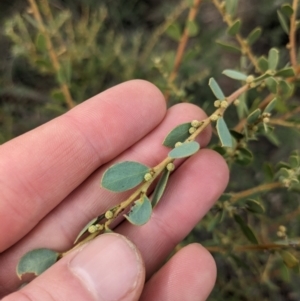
{"x": 254, "y": 116}
{"x": 263, "y": 63}
{"x": 193, "y": 28}
{"x": 287, "y": 10}
{"x": 271, "y": 105}
{"x": 246, "y": 229}
{"x": 160, "y": 187}
{"x": 231, "y": 6}
{"x": 254, "y": 35}
{"x": 235, "y": 74}
{"x": 140, "y": 213}
{"x": 283, "y": 22}
{"x": 229, "y": 47}
{"x": 174, "y": 31}
{"x": 273, "y": 58}
{"x": 255, "y": 206}
{"x": 234, "y": 28}
{"x": 286, "y": 72}
{"x": 272, "y": 85}
{"x": 223, "y": 132}
{"x": 184, "y": 150}
{"x": 85, "y": 228}
{"x": 216, "y": 89}
{"x": 36, "y": 262}
{"x": 41, "y": 42}
{"x": 124, "y": 176}
{"x": 179, "y": 134}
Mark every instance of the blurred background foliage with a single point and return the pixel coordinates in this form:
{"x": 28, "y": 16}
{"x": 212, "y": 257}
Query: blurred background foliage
{"x": 98, "y": 44}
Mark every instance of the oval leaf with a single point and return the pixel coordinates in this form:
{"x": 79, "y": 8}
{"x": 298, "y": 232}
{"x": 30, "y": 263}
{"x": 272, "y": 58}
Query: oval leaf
{"x": 246, "y": 229}
{"x": 283, "y": 22}
{"x": 234, "y": 28}
{"x": 254, "y": 206}
{"x": 244, "y": 156}
{"x": 231, "y": 6}
{"x": 36, "y": 262}
{"x": 272, "y": 84}
{"x": 140, "y": 212}
{"x": 174, "y": 31}
{"x": 287, "y": 10}
{"x": 229, "y": 47}
{"x": 263, "y": 63}
{"x": 235, "y": 74}
{"x": 289, "y": 259}
{"x": 286, "y": 72}
{"x": 124, "y": 176}
{"x": 185, "y": 150}
{"x": 270, "y": 106}
{"x": 41, "y": 43}
{"x": 216, "y": 89}
{"x": 223, "y": 132}
{"x": 192, "y": 28}
{"x": 160, "y": 187}
{"x": 273, "y": 58}
{"x": 254, "y": 35}
{"x": 179, "y": 134}
{"x": 254, "y": 116}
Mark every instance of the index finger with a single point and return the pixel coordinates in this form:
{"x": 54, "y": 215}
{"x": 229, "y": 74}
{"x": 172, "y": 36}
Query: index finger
{"x": 40, "y": 168}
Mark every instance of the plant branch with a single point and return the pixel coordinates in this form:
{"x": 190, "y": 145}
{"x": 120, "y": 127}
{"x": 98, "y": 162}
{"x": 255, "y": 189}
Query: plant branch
{"x": 285, "y": 123}
{"x": 246, "y": 193}
{"x": 243, "y": 44}
{"x": 293, "y": 42}
{"x": 182, "y": 44}
{"x": 161, "y": 29}
{"x": 244, "y": 248}
{"x": 52, "y": 54}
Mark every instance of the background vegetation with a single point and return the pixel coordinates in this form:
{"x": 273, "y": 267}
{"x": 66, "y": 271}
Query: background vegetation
{"x": 61, "y": 52}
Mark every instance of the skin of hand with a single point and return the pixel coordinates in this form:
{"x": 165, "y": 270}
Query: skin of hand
{"x": 50, "y": 188}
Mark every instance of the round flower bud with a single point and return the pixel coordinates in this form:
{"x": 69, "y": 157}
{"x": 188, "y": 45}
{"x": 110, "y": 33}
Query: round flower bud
{"x": 280, "y": 234}
{"x": 282, "y": 228}
{"x": 236, "y": 102}
{"x": 178, "y": 144}
{"x": 170, "y": 167}
{"x": 224, "y": 104}
{"x": 214, "y": 117}
{"x": 195, "y": 123}
{"x": 255, "y": 128}
{"x": 147, "y": 177}
{"x": 109, "y": 214}
{"x": 266, "y": 119}
{"x": 250, "y": 79}
{"x": 92, "y": 229}
{"x": 192, "y": 130}
{"x": 252, "y": 85}
{"x": 217, "y": 103}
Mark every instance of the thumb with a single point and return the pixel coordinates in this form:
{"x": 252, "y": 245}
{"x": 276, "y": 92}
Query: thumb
{"x": 110, "y": 268}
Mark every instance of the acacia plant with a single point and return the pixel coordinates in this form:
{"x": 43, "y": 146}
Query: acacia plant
{"x": 265, "y": 100}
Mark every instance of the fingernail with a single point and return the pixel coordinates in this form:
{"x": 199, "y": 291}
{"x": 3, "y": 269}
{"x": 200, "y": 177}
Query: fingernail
{"x": 109, "y": 267}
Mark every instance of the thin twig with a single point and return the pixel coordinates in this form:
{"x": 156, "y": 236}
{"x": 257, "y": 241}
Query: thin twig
{"x": 246, "y": 193}
{"x": 182, "y": 44}
{"x": 285, "y": 123}
{"x": 244, "y": 248}
{"x": 52, "y": 54}
{"x": 244, "y": 46}
{"x": 161, "y": 29}
{"x": 293, "y": 42}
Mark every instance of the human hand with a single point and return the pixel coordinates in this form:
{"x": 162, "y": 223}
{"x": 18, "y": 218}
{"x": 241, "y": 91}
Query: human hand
{"x": 50, "y": 188}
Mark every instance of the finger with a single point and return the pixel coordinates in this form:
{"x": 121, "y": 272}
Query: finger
{"x": 189, "y": 275}
{"x": 191, "y": 191}
{"x": 59, "y": 229}
{"x": 40, "y": 168}
{"x": 109, "y": 268}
